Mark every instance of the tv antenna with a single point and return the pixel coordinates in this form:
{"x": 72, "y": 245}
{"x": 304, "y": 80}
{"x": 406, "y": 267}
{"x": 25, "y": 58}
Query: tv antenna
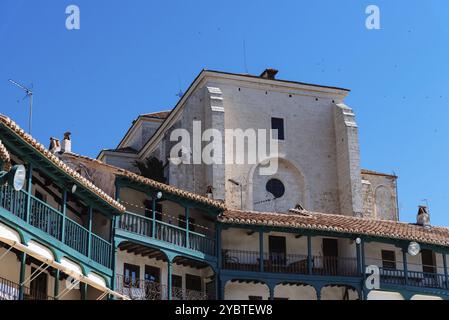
{"x": 29, "y": 95}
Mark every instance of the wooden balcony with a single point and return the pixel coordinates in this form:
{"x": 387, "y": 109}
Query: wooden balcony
{"x": 289, "y": 263}
{"x": 54, "y": 224}
{"x": 167, "y": 233}
{"x": 419, "y": 279}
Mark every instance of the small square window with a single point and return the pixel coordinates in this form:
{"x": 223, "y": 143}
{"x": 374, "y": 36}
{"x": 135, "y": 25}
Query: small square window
{"x": 278, "y": 124}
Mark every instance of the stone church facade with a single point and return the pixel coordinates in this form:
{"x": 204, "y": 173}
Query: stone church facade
{"x": 318, "y": 155}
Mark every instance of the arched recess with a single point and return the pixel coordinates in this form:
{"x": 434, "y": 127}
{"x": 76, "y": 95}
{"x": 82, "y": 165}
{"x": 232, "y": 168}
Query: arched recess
{"x": 384, "y": 206}
{"x": 241, "y": 289}
{"x": 425, "y": 297}
{"x": 384, "y": 295}
{"x": 295, "y": 291}
{"x": 339, "y": 292}
{"x": 290, "y": 174}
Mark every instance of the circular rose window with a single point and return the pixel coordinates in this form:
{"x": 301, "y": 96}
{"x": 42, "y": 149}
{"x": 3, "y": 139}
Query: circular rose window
{"x": 275, "y": 187}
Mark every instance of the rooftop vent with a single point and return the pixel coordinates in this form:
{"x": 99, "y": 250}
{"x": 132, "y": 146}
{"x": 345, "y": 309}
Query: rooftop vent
{"x": 269, "y": 74}
{"x": 423, "y": 217}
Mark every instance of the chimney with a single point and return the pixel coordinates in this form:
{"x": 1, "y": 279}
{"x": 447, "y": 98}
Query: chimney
{"x": 55, "y": 145}
{"x": 66, "y": 145}
{"x": 209, "y": 192}
{"x": 423, "y": 217}
{"x": 269, "y": 74}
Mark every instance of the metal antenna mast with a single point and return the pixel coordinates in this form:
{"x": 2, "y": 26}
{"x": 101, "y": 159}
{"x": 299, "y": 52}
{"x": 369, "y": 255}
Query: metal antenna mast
{"x": 28, "y": 94}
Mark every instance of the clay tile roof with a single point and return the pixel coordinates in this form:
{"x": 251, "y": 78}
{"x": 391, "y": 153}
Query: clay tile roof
{"x": 13, "y": 127}
{"x": 4, "y": 156}
{"x": 341, "y": 224}
{"x": 173, "y": 190}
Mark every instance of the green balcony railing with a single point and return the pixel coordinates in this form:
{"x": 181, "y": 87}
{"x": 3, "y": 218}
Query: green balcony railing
{"x": 76, "y": 236}
{"x": 14, "y": 202}
{"x": 44, "y": 217}
{"x": 166, "y": 232}
{"x": 51, "y": 221}
{"x": 100, "y": 251}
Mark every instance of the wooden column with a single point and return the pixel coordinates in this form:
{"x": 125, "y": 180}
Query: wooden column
{"x": 363, "y": 267}
{"x": 446, "y": 279}
{"x": 359, "y": 258}
{"x": 83, "y": 290}
{"x": 187, "y": 214}
{"x": 23, "y": 257}
{"x": 56, "y": 287}
{"x": 29, "y": 190}
{"x": 169, "y": 279}
{"x": 64, "y": 213}
{"x": 404, "y": 262}
{"x": 309, "y": 255}
{"x": 261, "y": 259}
{"x": 153, "y": 216}
{"x": 271, "y": 289}
{"x": 89, "y": 240}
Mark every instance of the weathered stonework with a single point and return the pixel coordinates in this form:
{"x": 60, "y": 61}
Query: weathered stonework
{"x": 319, "y": 159}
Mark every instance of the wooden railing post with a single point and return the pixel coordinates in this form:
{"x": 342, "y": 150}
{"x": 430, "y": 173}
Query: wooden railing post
{"x": 404, "y": 262}
{"x": 187, "y": 214}
{"x": 64, "y": 213}
{"x": 309, "y": 255}
{"x": 29, "y": 191}
{"x": 153, "y": 215}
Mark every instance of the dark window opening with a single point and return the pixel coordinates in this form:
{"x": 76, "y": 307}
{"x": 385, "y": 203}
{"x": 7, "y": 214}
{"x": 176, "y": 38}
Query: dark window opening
{"x": 38, "y": 287}
{"x": 193, "y": 282}
{"x": 152, "y": 274}
{"x": 39, "y": 196}
{"x": 149, "y": 210}
{"x": 278, "y": 124}
{"x": 330, "y": 256}
{"x": 176, "y": 281}
{"x": 428, "y": 261}
{"x": 131, "y": 275}
{"x": 388, "y": 259}
{"x": 254, "y": 297}
{"x": 182, "y": 222}
{"x": 278, "y": 250}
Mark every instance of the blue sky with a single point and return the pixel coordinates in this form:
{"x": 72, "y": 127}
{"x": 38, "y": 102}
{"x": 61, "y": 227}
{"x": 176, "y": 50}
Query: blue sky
{"x": 132, "y": 57}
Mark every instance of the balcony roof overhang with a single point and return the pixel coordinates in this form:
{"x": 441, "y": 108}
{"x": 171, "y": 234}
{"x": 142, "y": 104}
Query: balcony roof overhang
{"x": 29, "y": 150}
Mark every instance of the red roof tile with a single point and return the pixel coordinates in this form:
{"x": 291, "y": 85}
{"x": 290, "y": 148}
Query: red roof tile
{"x": 341, "y": 224}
